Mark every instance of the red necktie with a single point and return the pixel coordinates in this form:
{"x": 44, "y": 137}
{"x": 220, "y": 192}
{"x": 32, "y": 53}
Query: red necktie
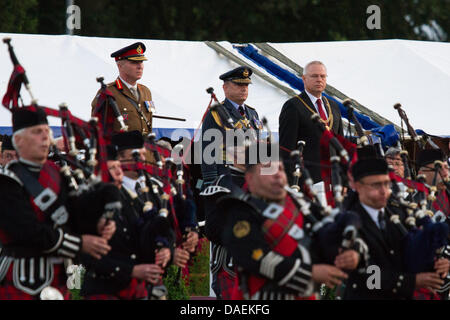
{"x": 241, "y": 111}
{"x": 321, "y": 112}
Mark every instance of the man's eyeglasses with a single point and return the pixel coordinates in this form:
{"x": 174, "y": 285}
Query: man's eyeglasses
{"x": 394, "y": 160}
{"x": 396, "y": 163}
{"x": 316, "y": 76}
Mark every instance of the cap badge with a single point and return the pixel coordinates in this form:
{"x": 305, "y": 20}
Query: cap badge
{"x": 245, "y": 73}
{"x": 241, "y": 229}
{"x": 139, "y": 49}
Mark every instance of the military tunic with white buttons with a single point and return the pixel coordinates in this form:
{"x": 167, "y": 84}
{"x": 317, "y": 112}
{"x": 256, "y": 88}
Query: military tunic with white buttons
{"x": 135, "y": 120}
{"x": 113, "y": 272}
{"x": 37, "y": 232}
{"x": 387, "y": 253}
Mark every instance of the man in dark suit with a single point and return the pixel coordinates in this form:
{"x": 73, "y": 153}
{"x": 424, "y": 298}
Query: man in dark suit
{"x": 386, "y": 277}
{"x": 295, "y": 120}
{"x": 126, "y": 272}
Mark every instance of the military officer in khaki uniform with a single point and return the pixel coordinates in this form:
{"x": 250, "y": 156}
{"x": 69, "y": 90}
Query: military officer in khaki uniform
{"x": 133, "y": 99}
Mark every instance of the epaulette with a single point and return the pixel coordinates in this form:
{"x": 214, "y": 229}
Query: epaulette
{"x": 118, "y": 84}
{"x": 8, "y": 173}
{"x": 250, "y": 107}
{"x": 142, "y": 86}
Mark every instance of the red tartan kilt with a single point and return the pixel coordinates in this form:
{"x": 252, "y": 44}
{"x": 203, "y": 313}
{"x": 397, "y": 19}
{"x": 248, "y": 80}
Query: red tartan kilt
{"x": 227, "y": 285}
{"x": 137, "y": 289}
{"x": 101, "y": 297}
{"x": 9, "y": 292}
{"x": 425, "y": 294}
{"x": 237, "y": 293}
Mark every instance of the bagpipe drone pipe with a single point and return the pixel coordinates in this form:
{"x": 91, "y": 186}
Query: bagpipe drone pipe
{"x": 83, "y": 161}
{"x": 331, "y": 229}
{"x": 170, "y": 212}
{"x": 106, "y": 111}
{"x": 425, "y": 235}
{"x": 339, "y": 230}
{"x": 157, "y": 229}
{"x": 428, "y": 232}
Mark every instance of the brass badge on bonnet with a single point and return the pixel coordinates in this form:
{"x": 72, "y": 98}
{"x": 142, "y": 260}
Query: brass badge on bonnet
{"x": 241, "y": 229}
{"x": 139, "y": 49}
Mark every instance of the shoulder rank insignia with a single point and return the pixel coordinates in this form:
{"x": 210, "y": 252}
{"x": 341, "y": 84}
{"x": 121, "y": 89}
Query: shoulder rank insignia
{"x": 119, "y": 84}
{"x": 250, "y": 107}
{"x": 241, "y": 229}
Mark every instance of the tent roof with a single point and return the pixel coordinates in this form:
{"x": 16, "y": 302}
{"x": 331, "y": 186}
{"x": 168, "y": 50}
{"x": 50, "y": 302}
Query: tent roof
{"x": 380, "y": 73}
{"x": 64, "y": 69}
{"x": 375, "y": 73}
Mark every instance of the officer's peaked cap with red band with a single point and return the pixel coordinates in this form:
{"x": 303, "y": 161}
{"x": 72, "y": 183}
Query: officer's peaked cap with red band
{"x": 134, "y": 52}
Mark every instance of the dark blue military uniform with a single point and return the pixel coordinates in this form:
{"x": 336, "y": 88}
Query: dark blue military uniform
{"x": 224, "y": 117}
{"x": 249, "y": 120}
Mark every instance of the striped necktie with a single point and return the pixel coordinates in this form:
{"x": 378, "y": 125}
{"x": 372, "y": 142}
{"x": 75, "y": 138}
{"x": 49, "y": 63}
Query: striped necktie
{"x": 134, "y": 92}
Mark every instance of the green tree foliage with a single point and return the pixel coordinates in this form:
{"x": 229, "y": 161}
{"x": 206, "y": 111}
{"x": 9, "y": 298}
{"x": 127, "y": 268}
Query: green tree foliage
{"x": 175, "y": 284}
{"x": 51, "y": 16}
{"x": 198, "y": 281}
{"x": 234, "y": 20}
{"x": 18, "y": 16}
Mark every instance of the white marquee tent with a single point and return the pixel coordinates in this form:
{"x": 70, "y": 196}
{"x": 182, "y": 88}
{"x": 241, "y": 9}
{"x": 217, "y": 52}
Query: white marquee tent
{"x": 377, "y": 74}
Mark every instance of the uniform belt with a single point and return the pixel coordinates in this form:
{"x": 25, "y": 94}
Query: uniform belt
{"x": 140, "y": 113}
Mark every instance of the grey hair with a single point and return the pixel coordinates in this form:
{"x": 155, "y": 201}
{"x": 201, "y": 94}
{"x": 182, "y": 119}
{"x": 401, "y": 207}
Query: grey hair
{"x": 13, "y": 138}
{"x": 164, "y": 144}
{"x": 305, "y": 70}
{"x": 392, "y": 152}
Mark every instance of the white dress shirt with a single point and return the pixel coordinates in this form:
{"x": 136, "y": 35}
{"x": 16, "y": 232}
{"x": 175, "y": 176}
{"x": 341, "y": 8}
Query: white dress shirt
{"x": 373, "y": 213}
{"x": 314, "y": 102}
{"x": 130, "y": 184}
{"x": 235, "y": 105}
{"x": 129, "y": 86}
